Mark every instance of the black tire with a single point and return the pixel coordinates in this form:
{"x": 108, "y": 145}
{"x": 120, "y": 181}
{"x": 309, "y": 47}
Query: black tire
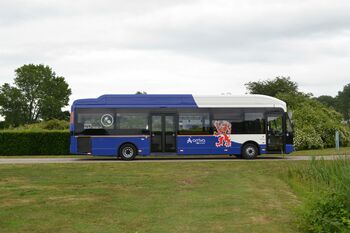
{"x": 127, "y": 152}
{"x": 249, "y": 151}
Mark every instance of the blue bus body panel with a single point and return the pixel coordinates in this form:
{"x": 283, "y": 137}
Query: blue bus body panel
{"x": 109, "y": 145}
{"x": 137, "y": 101}
{"x": 262, "y": 149}
{"x": 73, "y": 149}
{"x": 186, "y": 145}
{"x": 192, "y": 145}
{"x": 289, "y": 148}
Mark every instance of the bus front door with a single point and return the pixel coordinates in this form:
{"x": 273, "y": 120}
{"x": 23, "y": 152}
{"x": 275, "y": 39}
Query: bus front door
{"x": 163, "y": 133}
{"x": 275, "y": 135}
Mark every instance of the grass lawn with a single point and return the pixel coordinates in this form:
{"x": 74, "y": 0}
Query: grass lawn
{"x": 146, "y": 197}
{"x": 328, "y": 151}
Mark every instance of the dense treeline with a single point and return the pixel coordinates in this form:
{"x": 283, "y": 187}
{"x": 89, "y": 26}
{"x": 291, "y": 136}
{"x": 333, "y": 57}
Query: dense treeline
{"x": 341, "y": 102}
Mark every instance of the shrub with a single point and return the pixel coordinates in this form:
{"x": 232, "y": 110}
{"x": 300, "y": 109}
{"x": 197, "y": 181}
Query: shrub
{"x": 307, "y": 138}
{"x": 55, "y": 125}
{"x": 327, "y": 213}
{"x": 314, "y": 123}
{"x": 327, "y": 205}
{"x": 34, "y": 143}
{"x": 45, "y": 125}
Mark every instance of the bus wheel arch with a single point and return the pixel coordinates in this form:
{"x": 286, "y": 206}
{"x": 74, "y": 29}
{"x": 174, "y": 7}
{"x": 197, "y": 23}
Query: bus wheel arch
{"x": 127, "y": 151}
{"x": 250, "y": 150}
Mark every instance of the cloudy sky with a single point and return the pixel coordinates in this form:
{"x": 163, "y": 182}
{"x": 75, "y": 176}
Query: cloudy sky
{"x": 158, "y": 46}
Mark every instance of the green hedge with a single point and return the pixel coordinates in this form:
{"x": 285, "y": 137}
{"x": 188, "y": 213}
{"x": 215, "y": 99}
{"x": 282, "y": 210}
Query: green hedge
{"x": 34, "y": 143}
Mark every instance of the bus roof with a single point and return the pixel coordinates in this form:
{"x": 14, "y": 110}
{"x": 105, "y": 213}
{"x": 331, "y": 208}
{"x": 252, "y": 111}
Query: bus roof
{"x": 180, "y": 101}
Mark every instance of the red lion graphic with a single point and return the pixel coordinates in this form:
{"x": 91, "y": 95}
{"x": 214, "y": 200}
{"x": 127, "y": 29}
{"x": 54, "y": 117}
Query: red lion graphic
{"x": 223, "y": 131}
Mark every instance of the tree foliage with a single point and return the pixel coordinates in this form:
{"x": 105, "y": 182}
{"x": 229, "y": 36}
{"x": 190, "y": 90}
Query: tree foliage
{"x": 141, "y": 93}
{"x": 272, "y": 87}
{"x": 327, "y": 100}
{"x": 314, "y": 123}
{"x": 53, "y": 124}
{"x": 343, "y": 102}
{"x": 37, "y": 93}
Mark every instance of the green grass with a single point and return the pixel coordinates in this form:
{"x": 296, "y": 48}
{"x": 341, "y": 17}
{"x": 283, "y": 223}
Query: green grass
{"x": 146, "y": 197}
{"x": 328, "y": 151}
{"x": 325, "y": 188}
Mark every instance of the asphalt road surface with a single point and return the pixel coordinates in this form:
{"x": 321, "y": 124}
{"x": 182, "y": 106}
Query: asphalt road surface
{"x": 163, "y": 159}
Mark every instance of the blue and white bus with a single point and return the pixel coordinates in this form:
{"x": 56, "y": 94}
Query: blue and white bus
{"x": 129, "y": 125}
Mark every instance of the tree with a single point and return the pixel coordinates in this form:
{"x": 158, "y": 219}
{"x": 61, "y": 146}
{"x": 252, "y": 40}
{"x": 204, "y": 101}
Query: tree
{"x": 272, "y": 87}
{"x": 38, "y": 93}
{"x": 12, "y": 105}
{"x": 343, "y": 102}
{"x": 327, "y": 100}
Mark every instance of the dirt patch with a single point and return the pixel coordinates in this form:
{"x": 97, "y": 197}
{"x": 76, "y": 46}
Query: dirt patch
{"x": 16, "y": 202}
{"x": 260, "y": 219}
{"x": 72, "y": 198}
{"x": 12, "y": 180}
{"x": 187, "y": 181}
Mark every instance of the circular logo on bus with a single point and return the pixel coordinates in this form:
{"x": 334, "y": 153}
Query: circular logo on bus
{"x": 107, "y": 120}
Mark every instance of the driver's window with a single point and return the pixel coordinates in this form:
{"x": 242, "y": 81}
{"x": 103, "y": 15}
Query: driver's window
{"x": 275, "y": 124}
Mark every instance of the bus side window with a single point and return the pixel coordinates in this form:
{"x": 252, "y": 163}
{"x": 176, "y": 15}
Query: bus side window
{"x": 193, "y": 123}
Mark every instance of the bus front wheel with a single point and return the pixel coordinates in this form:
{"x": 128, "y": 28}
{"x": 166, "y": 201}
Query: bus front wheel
{"x": 249, "y": 151}
{"x": 127, "y": 152}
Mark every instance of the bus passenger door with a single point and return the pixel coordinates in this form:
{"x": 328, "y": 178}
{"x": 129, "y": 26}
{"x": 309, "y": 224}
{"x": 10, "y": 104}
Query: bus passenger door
{"x": 163, "y": 133}
{"x": 275, "y": 135}
{"x": 157, "y": 133}
{"x": 169, "y": 133}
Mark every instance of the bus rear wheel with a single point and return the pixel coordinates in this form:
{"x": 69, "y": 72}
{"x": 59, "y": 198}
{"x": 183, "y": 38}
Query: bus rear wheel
{"x": 127, "y": 152}
{"x": 249, "y": 151}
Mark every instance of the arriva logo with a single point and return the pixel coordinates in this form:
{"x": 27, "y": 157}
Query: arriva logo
{"x": 197, "y": 141}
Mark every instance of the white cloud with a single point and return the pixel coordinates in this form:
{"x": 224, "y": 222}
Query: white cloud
{"x": 201, "y": 47}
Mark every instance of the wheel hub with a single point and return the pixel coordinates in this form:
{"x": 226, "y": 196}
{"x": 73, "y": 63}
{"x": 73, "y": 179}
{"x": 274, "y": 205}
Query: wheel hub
{"x": 128, "y": 152}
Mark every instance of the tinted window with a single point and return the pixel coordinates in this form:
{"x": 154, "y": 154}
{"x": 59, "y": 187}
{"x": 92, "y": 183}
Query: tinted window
{"x": 97, "y": 121}
{"x": 110, "y": 122}
{"x": 194, "y": 123}
{"x": 243, "y": 121}
{"x": 275, "y": 124}
{"x": 254, "y": 123}
{"x": 233, "y": 116}
{"x": 132, "y": 121}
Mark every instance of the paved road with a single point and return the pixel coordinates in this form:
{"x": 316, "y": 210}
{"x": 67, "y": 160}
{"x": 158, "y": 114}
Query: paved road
{"x": 157, "y": 160}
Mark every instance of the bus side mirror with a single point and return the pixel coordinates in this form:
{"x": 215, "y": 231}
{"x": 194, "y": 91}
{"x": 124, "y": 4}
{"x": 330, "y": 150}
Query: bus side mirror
{"x": 290, "y": 114}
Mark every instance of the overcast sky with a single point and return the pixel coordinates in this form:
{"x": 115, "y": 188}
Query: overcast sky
{"x": 158, "y": 46}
